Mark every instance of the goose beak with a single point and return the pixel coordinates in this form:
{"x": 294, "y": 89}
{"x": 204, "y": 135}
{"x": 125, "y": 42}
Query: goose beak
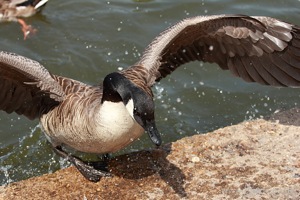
{"x": 153, "y": 133}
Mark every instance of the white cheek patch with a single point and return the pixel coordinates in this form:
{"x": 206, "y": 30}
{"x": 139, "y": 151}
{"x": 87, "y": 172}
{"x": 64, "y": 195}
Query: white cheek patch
{"x": 130, "y": 107}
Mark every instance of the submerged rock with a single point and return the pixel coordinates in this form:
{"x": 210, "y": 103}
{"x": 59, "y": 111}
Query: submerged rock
{"x": 256, "y": 159}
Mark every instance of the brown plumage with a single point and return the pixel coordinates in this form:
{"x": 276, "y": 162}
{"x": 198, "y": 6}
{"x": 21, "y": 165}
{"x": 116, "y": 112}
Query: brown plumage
{"x": 103, "y": 119}
{"x": 14, "y": 10}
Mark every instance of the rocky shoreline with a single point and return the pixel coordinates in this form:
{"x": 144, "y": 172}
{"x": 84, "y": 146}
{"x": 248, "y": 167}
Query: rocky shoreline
{"x": 257, "y": 159}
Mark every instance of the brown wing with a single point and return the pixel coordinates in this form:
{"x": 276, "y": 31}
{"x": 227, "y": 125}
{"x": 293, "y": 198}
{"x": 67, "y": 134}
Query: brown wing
{"x": 26, "y": 87}
{"x": 257, "y": 49}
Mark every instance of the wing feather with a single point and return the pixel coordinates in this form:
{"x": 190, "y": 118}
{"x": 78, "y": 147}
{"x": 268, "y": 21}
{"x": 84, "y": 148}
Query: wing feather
{"x": 26, "y": 87}
{"x": 257, "y": 49}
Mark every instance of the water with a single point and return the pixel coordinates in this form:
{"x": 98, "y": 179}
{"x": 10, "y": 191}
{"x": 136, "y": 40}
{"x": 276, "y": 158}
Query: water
{"x": 86, "y": 40}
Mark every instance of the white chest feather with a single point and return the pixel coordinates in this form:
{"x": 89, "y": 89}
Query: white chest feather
{"x": 108, "y": 130}
{"x": 116, "y": 122}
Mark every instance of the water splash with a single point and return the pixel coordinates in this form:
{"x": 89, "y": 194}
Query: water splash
{"x": 30, "y": 156}
{"x": 5, "y": 171}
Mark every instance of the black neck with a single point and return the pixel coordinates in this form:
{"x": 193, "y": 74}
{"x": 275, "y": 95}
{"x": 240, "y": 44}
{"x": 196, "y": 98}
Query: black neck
{"x": 117, "y": 88}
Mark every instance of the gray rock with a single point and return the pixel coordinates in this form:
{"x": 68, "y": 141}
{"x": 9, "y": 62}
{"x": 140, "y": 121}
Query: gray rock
{"x": 253, "y": 160}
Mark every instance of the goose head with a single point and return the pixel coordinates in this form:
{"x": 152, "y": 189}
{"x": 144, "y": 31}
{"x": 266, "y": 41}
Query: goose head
{"x": 140, "y": 105}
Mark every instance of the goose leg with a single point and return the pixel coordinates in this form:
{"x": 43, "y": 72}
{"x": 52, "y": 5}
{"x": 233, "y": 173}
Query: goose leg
{"x": 92, "y": 173}
{"x": 105, "y": 157}
{"x": 27, "y": 30}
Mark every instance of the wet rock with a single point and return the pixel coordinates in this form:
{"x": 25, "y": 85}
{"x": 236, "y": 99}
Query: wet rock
{"x": 253, "y": 160}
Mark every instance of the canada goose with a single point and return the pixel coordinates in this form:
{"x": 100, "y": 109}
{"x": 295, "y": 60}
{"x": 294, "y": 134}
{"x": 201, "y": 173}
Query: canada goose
{"x": 106, "y": 118}
{"x": 14, "y": 10}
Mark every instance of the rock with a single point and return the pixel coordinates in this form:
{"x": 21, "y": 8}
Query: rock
{"x": 253, "y": 160}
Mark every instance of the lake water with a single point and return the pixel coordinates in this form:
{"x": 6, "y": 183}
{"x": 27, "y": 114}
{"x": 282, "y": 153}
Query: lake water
{"x": 87, "y": 39}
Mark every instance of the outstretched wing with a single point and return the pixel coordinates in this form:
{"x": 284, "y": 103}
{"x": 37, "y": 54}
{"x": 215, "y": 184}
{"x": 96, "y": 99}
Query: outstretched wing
{"x": 26, "y": 87}
{"x": 257, "y": 49}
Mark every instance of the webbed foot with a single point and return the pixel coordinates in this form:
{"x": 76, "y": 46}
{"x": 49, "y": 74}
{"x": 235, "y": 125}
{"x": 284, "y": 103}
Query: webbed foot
{"x": 92, "y": 171}
{"x": 27, "y": 30}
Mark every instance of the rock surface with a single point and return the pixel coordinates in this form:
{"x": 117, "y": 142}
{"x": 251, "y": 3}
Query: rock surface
{"x": 253, "y": 160}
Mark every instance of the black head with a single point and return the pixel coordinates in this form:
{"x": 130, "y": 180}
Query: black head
{"x": 117, "y": 88}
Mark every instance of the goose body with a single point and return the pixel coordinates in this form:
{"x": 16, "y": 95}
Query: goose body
{"x": 107, "y": 127}
{"x": 107, "y": 117}
{"x": 11, "y": 10}
{"x": 14, "y": 10}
